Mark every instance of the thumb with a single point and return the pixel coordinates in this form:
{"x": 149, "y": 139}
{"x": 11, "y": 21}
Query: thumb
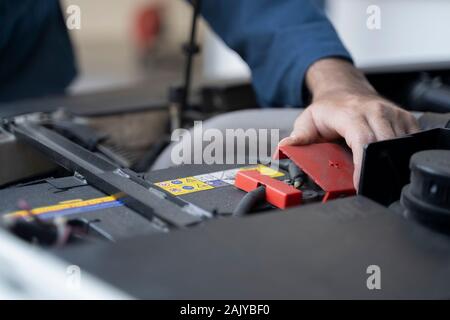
{"x": 305, "y": 131}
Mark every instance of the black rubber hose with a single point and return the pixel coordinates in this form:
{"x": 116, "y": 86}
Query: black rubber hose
{"x": 284, "y": 164}
{"x": 298, "y": 177}
{"x": 249, "y": 201}
{"x": 294, "y": 171}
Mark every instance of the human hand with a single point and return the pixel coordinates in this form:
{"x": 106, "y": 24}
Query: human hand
{"x": 346, "y": 106}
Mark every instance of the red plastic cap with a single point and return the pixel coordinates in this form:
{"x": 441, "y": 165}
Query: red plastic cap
{"x": 278, "y": 193}
{"x": 328, "y": 164}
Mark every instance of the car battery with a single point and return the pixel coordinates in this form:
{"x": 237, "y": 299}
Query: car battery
{"x": 208, "y": 187}
{"x": 316, "y": 173}
{"x": 74, "y": 200}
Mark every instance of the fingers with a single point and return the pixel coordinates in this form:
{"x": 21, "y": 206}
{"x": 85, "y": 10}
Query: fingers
{"x": 411, "y": 123}
{"x": 399, "y": 127}
{"x": 357, "y": 136}
{"x": 388, "y": 122}
{"x": 384, "y": 121}
{"x": 304, "y": 132}
{"x": 401, "y": 123}
{"x": 382, "y": 128}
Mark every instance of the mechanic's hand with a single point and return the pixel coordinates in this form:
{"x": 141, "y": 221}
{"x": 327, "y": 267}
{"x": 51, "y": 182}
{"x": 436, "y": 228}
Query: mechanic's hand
{"x": 345, "y": 105}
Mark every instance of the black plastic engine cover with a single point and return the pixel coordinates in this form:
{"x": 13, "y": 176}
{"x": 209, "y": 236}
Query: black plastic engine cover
{"x": 314, "y": 251}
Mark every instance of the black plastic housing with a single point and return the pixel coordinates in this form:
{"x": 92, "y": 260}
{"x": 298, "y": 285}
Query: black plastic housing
{"x": 385, "y": 170}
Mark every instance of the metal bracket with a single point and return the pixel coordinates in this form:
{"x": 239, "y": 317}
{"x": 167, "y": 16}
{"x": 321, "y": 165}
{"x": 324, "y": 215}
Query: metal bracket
{"x": 132, "y": 190}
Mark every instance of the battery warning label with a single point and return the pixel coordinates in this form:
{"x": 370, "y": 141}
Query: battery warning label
{"x": 182, "y": 186}
{"x": 210, "y": 181}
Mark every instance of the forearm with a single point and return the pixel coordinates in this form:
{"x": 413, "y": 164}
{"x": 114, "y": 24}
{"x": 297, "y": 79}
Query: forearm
{"x": 279, "y": 40}
{"x": 336, "y": 75}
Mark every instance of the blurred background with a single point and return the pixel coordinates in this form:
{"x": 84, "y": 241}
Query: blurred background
{"x": 123, "y": 42}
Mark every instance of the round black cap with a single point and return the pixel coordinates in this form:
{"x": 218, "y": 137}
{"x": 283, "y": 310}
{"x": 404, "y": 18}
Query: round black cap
{"x": 427, "y": 197}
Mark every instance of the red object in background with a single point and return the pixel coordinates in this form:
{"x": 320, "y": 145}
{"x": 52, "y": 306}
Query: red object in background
{"x": 278, "y": 193}
{"x": 147, "y": 27}
{"x": 328, "y": 164}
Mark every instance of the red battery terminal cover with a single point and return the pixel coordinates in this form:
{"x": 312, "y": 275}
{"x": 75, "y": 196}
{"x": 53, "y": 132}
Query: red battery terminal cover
{"x": 278, "y": 193}
{"x": 329, "y": 165}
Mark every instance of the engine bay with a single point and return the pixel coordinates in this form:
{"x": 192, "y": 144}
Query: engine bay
{"x": 180, "y": 228}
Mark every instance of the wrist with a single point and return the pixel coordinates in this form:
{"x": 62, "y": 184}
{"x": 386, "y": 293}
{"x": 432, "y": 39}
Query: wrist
{"x": 332, "y": 76}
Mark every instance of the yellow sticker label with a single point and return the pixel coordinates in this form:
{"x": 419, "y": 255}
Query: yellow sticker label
{"x": 212, "y": 180}
{"x": 183, "y": 186}
{"x": 64, "y": 205}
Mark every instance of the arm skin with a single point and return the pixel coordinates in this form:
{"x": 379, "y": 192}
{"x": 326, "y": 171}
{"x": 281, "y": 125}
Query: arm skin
{"x": 345, "y": 105}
